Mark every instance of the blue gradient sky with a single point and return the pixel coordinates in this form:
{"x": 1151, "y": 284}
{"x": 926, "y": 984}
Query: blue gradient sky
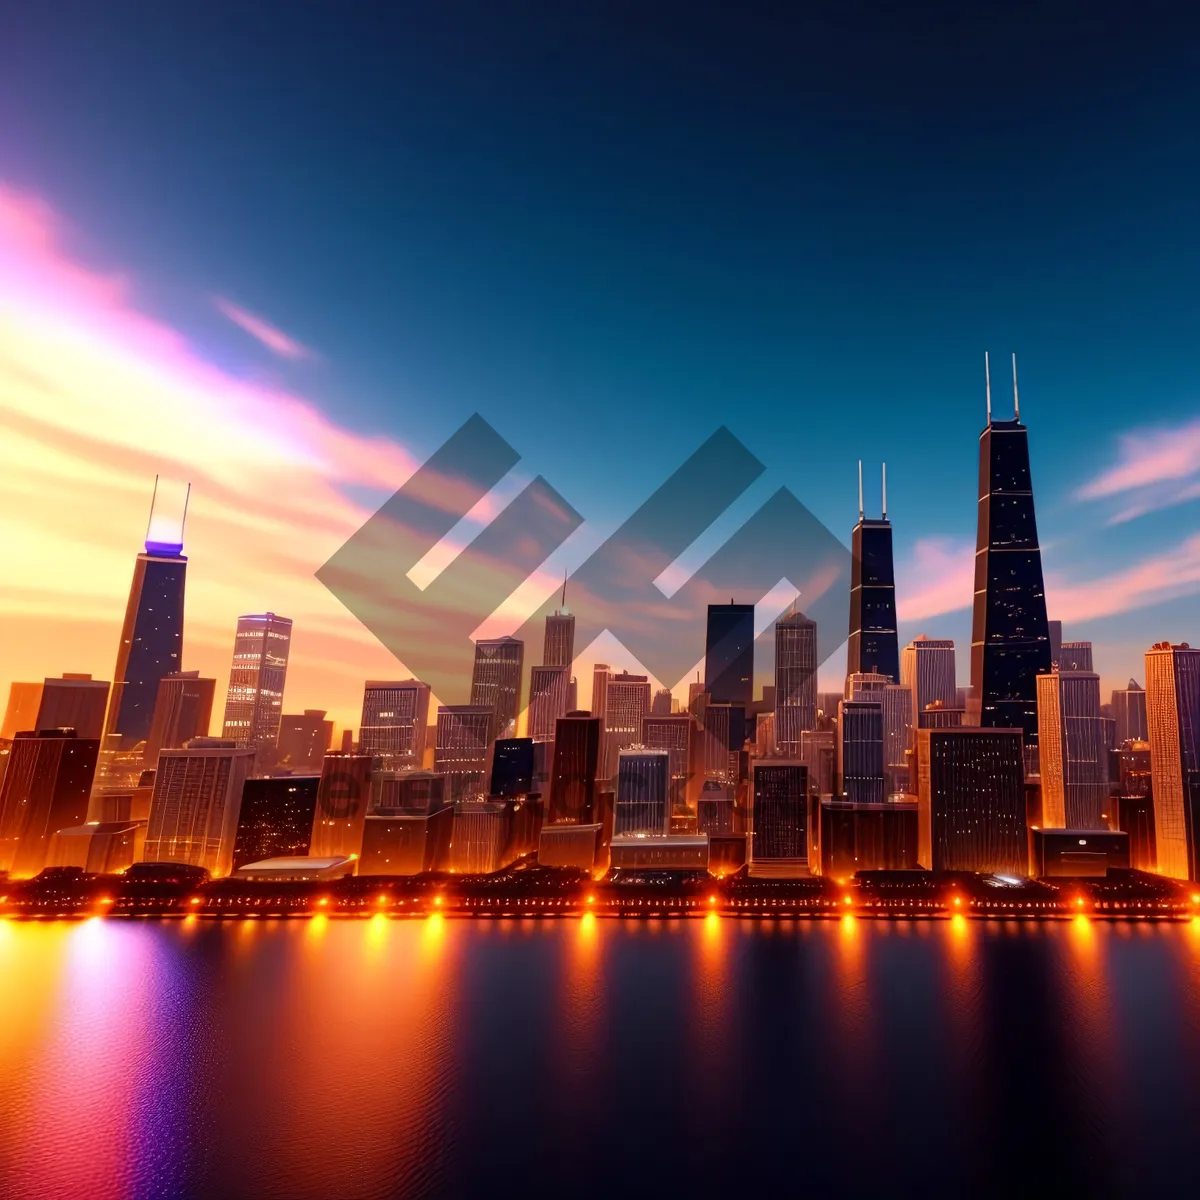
{"x": 613, "y": 228}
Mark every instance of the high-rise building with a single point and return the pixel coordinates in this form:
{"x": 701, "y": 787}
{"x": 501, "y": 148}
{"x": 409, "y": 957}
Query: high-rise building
{"x": 151, "y": 636}
{"x": 971, "y": 801}
{"x": 395, "y": 718}
{"x": 1054, "y": 628}
{"x": 254, "y": 702}
{"x": 663, "y": 703}
{"x": 1072, "y": 751}
{"x": 724, "y": 734}
{"x": 559, "y": 647}
{"x": 674, "y": 733}
{"x": 1010, "y": 638}
{"x": 927, "y": 670}
{"x": 1173, "y": 715}
{"x": 1075, "y": 656}
{"x": 600, "y": 674}
{"x": 304, "y": 740}
{"x": 496, "y": 680}
{"x": 873, "y": 645}
{"x": 818, "y": 753}
{"x": 627, "y": 704}
{"x": 643, "y": 786}
{"x": 512, "y": 768}
{"x": 464, "y": 733}
{"x": 549, "y": 699}
{"x": 197, "y": 802}
{"x": 729, "y": 653}
{"x": 795, "y": 680}
{"x": 860, "y": 752}
{"x": 1129, "y": 713}
{"x": 780, "y": 813}
{"x": 44, "y": 789}
{"x": 24, "y": 699}
{"x": 74, "y": 702}
{"x": 276, "y": 818}
{"x": 182, "y": 711}
{"x": 343, "y": 799}
{"x": 896, "y": 702}
{"x": 573, "y": 793}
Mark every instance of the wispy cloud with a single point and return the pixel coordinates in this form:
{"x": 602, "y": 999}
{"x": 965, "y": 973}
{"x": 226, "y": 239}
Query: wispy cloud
{"x": 1156, "y": 468}
{"x": 96, "y": 397}
{"x": 938, "y": 577}
{"x": 273, "y": 338}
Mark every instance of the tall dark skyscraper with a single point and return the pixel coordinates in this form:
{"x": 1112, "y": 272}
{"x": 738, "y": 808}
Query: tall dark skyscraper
{"x": 182, "y": 711}
{"x": 275, "y": 819}
{"x": 151, "y": 637}
{"x": 873, "y": 645}
{"x": 1010, "y": 638}
{"x": 729, "y": 653}
{"x": 795, "y": 680}
{"x": 576, "y": 761}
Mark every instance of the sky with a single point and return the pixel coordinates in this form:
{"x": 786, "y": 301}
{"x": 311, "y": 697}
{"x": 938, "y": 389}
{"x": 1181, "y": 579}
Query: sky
{"x": 285, "y": 251}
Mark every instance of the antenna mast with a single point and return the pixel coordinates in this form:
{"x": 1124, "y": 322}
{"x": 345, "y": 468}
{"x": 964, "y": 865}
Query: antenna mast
{"x": 987, "y": 375}
{"x": 885, "y": 491}
{"x": 860, "y": 499}
{"x": 1016, "y": 398}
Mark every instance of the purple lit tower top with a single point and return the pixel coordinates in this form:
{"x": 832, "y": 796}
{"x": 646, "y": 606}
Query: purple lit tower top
{"x": 152, "y": 636}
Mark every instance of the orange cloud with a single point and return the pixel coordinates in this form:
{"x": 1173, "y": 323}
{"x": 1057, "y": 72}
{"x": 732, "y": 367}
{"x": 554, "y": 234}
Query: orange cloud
{"x": 96, "y": 398}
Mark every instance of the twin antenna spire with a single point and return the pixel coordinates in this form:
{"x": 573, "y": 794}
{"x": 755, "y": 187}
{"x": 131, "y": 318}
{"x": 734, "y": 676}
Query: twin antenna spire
{"x": 861, "y": 513}
{"x": 987, "y": 375}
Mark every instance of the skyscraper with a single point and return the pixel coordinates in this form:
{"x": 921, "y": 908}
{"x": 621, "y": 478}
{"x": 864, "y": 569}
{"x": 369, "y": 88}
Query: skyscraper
{"x": 1173, "y": 715}
{"x": 44, "y": 789}
{"x": 600, "y": 674}
{"x": 395, "y": 718}
{"x": 559, "y": 647}
{"x": 795, "y": 680}
{"x": 1075, "y": 656}
{"x": 1010, "y": 638}
{"x": 512, "y": 768}
{"x": 663, "y": 703}
{"x": 627, "y": 703}
{"x": 576, "y": 762}
{"x": 1129, "y": 713}
{"x": 74, "y": 702}
{"x": 254, "y": 702}
{"x": 496, "y": 680}
{"x": 196, "y": 804}
{"x": 729, "y": 653}
{"x": 873, "y": 645}
{"x": 464, "y": 732}
{"x": 24, "y": 699}
{"x": 927, "y": 670}
{"x": 643, "y": 780}
{"x": 673, "y": 732}
{"x": 780, "y": 812}
{"x": 343, "y": 799}
{"x": 182, "y": 711}
{"x": 151, "y": 636}
{"x": 1072, "y": 750}
{"x": 860, "y": 751}
{"x": 304, "y": 739}
{"x": 549, "y": 699}
{"x": 971, "y": 801}
{"x": 275, "y": 819}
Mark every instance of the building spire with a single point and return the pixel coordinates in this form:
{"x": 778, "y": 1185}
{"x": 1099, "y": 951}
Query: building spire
{"x": 987, "y": 375}
{"x": 885, "y": 491}
{"x": 564, "y": 594}
{"x": 860, "y": 499}
{"x": 1016, "y": 398}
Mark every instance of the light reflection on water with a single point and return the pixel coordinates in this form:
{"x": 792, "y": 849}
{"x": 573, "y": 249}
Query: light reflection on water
{"x": 382, "y": 1057}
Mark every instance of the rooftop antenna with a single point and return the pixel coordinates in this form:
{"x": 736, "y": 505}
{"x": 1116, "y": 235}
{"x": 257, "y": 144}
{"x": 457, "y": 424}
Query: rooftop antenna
{"x": 885, "y": 491}
{"x": 1016, "y": 398}
{"x": 987, "y": 374}
{"x": 564, "y": 594}
{"x": 860, "y": 502}
{"x": 150, "y": 518}
{"x": 183, "y": 522}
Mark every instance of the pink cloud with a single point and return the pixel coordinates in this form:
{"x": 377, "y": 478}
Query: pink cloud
{"x": 939, "y": 577}
{"x": 274, "y": 339}
{"x": 1147, "y": 458}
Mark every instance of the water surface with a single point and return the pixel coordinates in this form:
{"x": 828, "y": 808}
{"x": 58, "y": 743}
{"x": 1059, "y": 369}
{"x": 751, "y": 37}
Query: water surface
{"x": 344, "y": 1058}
